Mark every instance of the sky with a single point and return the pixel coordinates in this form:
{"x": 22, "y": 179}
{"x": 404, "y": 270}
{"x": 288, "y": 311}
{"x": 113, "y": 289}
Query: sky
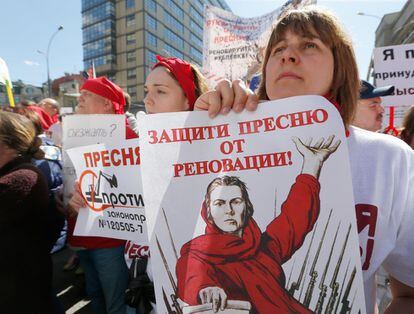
{"x": 28, "y": 26}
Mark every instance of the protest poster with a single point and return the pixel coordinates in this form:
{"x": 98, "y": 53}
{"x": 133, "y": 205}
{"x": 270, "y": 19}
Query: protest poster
{"x": 234, "y": 211}
{"x": 82, "y": 130}
{"x": 393, "y": 65}
{"x": 233, "y": 46}
{"x": 110, "y": 182}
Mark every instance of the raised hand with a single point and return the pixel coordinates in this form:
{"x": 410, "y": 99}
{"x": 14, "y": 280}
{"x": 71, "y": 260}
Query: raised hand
{"x": 315, "y": 155}
{"x": 214, "y": 295}
{"x": 227, "y": 96}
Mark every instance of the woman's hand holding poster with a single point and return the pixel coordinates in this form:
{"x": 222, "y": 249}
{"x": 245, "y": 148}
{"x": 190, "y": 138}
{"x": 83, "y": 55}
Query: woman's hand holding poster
{"x": 252, "y": 212}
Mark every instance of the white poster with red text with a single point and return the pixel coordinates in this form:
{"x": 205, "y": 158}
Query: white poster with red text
{"x": 252, "y": 212}
{"x": 394, "y": 65}
{"x": 110, "y": 183}
{"x": 233, "y": 46}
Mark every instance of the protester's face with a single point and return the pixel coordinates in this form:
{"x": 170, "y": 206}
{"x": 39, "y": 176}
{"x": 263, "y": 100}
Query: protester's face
{"x": 163, "y": 93}
{"x": 227, "y": 208}
{"x": 299, "y": 65}
{"x": 369, "y": 114}
{"x": 49, "y": 107}
{"x": 90, "y": 103}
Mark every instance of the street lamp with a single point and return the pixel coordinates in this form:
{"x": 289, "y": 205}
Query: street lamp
{"x": 371, "y": 15}
{"x": 49, "y": 88}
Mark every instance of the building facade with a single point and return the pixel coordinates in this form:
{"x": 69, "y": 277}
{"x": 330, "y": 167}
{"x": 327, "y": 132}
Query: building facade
{"x": 396, "y": 28}
{"x": 122, "y": 37}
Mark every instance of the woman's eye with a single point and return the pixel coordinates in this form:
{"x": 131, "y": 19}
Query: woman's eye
{"x": 310, "y": 45}
{"x": 277, "y": 50}
{"x": 160, "y": 92}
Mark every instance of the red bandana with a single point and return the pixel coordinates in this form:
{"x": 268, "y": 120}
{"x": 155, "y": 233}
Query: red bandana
{"x": 183, "y": 73}
{"x": 105, "y": 88}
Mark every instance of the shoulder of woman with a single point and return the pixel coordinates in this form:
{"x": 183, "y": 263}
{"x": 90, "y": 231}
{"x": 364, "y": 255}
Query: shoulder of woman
{"x": 20, "y": 181}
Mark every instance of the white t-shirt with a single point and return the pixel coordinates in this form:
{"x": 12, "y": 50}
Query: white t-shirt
{"x": 382, "y": 169}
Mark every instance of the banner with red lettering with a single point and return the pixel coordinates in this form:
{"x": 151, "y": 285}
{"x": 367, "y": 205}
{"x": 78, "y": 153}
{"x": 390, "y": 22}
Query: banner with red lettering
{"x": 394, "y": 65}
{"x": 233, "y": 46}
{"x": 252, "y": 212}
{"x": 110, "y": 183}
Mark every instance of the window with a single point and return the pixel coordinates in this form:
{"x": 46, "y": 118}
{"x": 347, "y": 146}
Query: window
{"x": 172, "y": 52}
{"x": 175, "y": 9}
{"x": 173, "y": 23}
{"x": 98, "y": 30}
{"x": 132, "y": 91}
{"x": 130, "y": 20}
{"x": 170, "y": 36}
{"x": 150, "y": 58}
{"x": 151, "y": 6}
{"x": 129, "y": 4}
{"x": 151, "y": 22}
{"x": 196, "y": 53}
{"x": 131, "y": 56}
{"x": 98, "y": 47}
{"x": 86, "y": 4}
{"x": 131, "y": 73}
{"x": 195, "y": 14}
{"x": 99, "y": 13}
{"x": 196, "y": 40}
{"x": 151, "y": 39}
{"x": 194, "y": 26}
{"x": 199, "y": 4}
{"x": 130, "y": 39}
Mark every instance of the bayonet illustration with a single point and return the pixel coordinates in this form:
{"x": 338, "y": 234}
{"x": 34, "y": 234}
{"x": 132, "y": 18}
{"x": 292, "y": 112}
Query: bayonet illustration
{"x": 312, "y": 272}
{"x": 334, "y": 285}
{"x": 171, "y": 278}
{"x": 170, "y": 234}
{"x": 322, "y": 286}
{"x": 342, "y": 288}
{"x": 295, "y": 285}
{"x": 345, "y": 302}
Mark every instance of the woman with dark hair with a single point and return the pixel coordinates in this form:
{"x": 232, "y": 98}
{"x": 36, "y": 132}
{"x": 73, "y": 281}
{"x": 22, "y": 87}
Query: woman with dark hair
{"x": 25, "y": 263}
{"x": 407, "y": 132}
{"x": 309, "y": 53}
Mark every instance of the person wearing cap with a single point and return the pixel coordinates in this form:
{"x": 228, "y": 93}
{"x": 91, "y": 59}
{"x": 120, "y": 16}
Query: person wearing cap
{"x": 102, "y": 259}
{"x": 369, "y": 111}
{"x": 51, "y": 107}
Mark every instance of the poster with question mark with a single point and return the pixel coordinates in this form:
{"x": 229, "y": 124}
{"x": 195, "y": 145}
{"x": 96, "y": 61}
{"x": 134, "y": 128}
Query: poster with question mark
{"x": 88, "y": 129}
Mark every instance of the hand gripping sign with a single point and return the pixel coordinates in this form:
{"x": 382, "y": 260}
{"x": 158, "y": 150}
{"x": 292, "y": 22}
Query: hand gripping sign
{"x": 252, "y": 212}
{"x": 110, "y": 183}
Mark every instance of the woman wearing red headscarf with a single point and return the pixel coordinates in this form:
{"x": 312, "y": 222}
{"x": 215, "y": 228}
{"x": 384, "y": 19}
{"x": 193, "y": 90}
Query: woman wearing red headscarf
{"x": 173, "y": 85}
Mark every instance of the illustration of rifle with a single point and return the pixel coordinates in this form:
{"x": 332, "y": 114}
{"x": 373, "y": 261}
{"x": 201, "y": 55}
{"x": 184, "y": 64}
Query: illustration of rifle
{"x": 345, "y": 302}
{"x": 334, "y": 285}
{"x": 312, "y": 272}
{"x": 322, "y": 286}
{"x": 171, "y": 278}
{"x": 342, "y": 288}
{"x": 170, "y": 234}
{"x": 291, "y": 271}
{"x": 167, "y": 304}
{"x": 296, "y": 284}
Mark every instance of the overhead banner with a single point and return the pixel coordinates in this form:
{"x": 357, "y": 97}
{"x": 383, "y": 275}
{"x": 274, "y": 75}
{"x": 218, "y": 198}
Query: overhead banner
{"x": 394, "y": 65}
{"x": 81, "y": 130}
{"x": 110, "y": 183}
{"x": 252, "y": 212}
{"x": 233, "y": 46}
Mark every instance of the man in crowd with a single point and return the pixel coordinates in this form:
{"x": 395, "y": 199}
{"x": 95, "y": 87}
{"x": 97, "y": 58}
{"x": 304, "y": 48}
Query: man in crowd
{"x": 369, "y": 112}
{"x": 51, "y": 106}
{"x": 102, "y": 259}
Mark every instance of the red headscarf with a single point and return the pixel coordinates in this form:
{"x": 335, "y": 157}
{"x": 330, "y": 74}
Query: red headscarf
{"x": 105, "y": 88}
{"x": 183, "y": 73}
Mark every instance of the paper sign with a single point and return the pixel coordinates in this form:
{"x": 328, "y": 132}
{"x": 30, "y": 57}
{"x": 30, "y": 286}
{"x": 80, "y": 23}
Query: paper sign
{"x": 254, "y": 208}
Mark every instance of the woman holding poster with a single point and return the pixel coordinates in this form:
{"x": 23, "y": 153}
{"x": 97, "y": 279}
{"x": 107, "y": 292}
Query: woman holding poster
{"x": 173, "y": 85}
{"x": 309, "y": 53}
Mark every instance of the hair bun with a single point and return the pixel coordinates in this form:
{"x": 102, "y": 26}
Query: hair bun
{"x": 34, "y": 150}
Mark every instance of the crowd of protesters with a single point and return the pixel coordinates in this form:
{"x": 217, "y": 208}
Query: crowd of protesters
{"x": 308, "y": 42}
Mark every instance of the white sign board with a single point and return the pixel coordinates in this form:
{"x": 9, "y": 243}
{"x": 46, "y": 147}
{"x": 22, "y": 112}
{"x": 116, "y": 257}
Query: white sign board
{"x": 82, "y": 130}
{"x": 110, "y": 183}
{"x": 394, "y": 65}
{"x": 255, "y": 208}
